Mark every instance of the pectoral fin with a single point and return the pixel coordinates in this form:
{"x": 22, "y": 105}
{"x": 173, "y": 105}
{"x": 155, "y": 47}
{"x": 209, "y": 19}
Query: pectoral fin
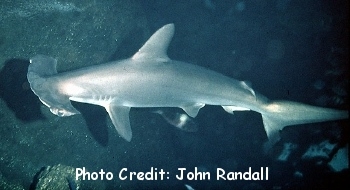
{"x": 120, "y": 120}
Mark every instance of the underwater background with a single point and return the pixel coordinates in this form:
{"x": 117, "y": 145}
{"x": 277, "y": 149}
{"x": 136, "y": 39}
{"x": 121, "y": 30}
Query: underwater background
{"x": 287, "y": 49}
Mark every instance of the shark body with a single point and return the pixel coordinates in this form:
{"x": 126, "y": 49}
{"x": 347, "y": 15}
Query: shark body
{"x": 151, "y": 79}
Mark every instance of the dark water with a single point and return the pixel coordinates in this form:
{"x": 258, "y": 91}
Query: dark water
{"x": 287, "y": 49}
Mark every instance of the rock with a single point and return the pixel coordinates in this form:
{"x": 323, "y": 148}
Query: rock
{"x": 56, "y": 177}
{"x": 77, "y": 33}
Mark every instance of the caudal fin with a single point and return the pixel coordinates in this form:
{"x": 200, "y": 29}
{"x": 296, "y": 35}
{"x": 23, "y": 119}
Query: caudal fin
{"x": 279, "y": 114}
{"x": 39, "y": 71}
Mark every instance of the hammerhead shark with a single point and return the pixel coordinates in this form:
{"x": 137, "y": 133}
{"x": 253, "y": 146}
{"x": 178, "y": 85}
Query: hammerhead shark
{"x": 151, "y": 79}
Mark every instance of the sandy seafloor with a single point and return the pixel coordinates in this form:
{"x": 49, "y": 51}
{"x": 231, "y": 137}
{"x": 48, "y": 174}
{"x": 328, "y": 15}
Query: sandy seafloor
{"x": 287, "y": 49}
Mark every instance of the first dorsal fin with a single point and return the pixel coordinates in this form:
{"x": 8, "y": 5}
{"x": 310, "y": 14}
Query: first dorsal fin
{"x": 157, "y": 45}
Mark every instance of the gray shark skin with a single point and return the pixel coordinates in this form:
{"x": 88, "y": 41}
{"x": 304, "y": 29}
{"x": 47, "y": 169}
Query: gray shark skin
{"x": 151, "y": 79}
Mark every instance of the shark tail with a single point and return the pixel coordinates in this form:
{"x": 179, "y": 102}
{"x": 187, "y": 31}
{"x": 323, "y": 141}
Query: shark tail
{"x": 39, "y": 71}
{"x": 278, "y": 114}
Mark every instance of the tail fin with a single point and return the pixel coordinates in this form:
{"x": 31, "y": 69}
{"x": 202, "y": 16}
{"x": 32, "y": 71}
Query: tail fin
{"x": 40, "y": 69}
{"x": 279, "y": 114}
